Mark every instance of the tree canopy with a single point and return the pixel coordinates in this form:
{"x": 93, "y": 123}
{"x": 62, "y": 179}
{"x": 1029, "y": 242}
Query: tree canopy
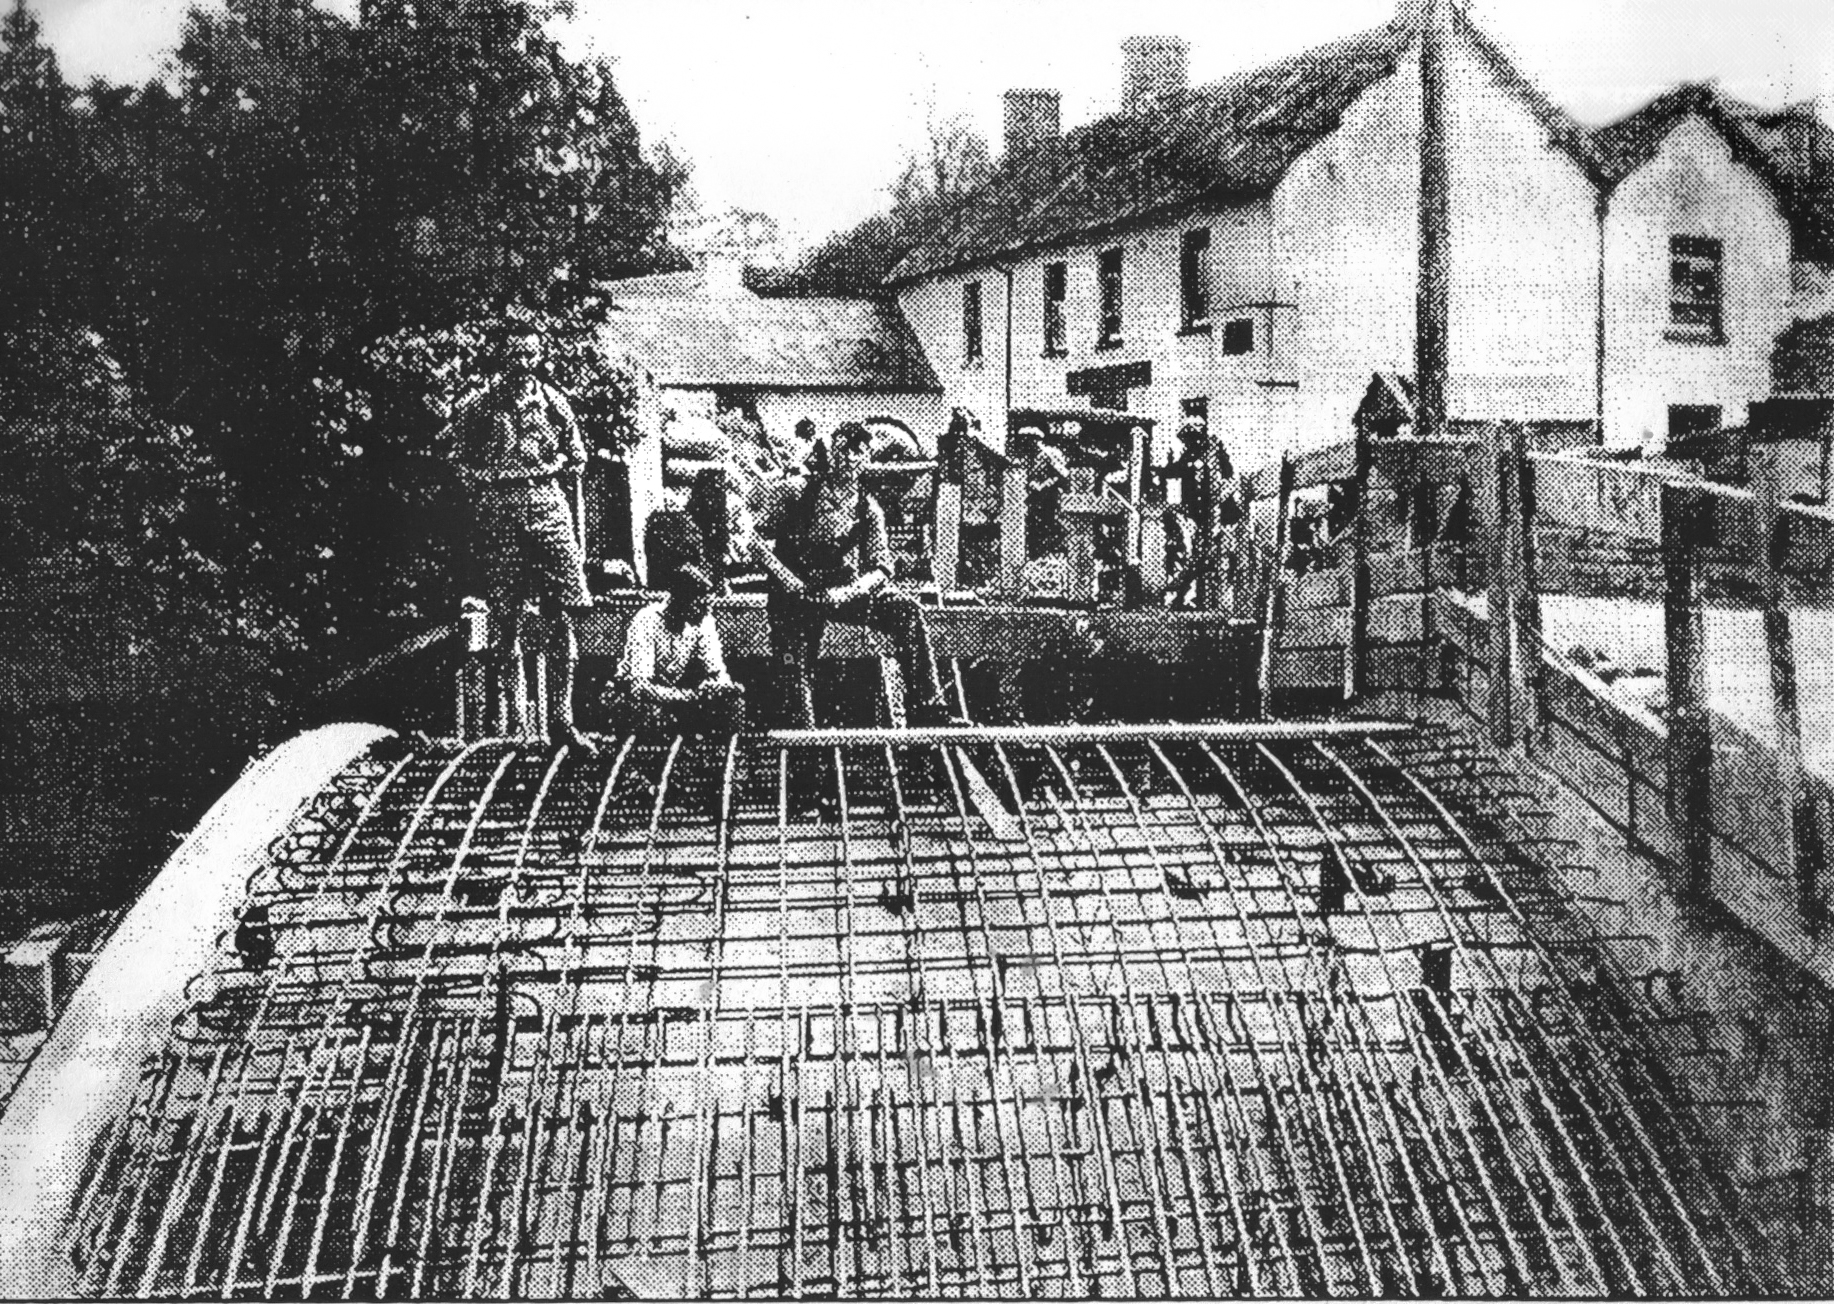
{"x": 228, "y": 296}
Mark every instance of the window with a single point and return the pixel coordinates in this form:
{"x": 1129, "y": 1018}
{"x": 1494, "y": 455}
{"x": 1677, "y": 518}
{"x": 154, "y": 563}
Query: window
{"x": 1056, "y": 284}
{"x": 1694, "y": 265}
{"x": 1108, "y": 329}
{"x": 1239, "y": 336}
{"x": 1685, "y": 419}
{"x": 971, "y": 324}
{"x": 1194, "y": 278}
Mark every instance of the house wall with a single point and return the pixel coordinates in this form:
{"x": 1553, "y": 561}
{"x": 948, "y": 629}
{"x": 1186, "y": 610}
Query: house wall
{"x": 1691, "y": 186}
{"x": 1347, "y": 238}
{"x": 1184, "y": 364}
{"x": 1523, "y": 300}
{"x": 934, "y": 310}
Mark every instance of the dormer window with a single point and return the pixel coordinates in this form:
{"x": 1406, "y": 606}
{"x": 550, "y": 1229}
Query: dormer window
{"x": 1695, "y": 289}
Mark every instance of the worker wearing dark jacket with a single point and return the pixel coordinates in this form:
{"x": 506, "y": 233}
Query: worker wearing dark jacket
{"x": 830, "y": 560}
{"x": 519, "y": 448}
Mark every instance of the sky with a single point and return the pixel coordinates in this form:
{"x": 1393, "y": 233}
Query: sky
{"x": 803, "y": 109}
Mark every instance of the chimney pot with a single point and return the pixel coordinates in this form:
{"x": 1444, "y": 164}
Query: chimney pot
{"x": 1153, "y": 67}
{"x": 1033, "y": 118}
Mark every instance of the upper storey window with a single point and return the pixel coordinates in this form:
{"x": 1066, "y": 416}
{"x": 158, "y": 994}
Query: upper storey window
{"x": 971, "y": 324}
{"x": 1194, "y": 279}
{"x": 1108, "y": 274}
{"x": 1056, "y": 287}
{"x": 1695, "y": 289}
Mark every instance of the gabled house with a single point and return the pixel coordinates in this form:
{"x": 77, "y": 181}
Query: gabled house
{"x": 1401, "y": 201}
{"x": 1696, "y": 273}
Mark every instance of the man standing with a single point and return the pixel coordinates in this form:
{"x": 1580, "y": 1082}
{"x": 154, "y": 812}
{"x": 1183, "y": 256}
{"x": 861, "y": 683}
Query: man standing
{"x": 832, "y": 561}
{"x": 673, "y": 677}
{"x": 520, "y": 450}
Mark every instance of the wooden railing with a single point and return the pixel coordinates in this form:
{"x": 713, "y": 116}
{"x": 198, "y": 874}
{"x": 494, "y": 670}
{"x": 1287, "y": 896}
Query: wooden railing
{"x": 1743, "y": 817}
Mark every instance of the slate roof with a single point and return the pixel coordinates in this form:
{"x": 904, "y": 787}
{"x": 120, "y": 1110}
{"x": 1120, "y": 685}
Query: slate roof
{"x": 691, "y": 339}
{"x": 1792, "y": 148}
{"x": 1228, "y": 142}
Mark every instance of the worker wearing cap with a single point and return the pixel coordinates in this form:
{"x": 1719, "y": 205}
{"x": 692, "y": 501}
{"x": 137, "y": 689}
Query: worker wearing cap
{"x": 519, "y": 448}
{"x": 825, "y": 554}
{"x": 1049, "y": 478}
{"x": 672, "y": 678}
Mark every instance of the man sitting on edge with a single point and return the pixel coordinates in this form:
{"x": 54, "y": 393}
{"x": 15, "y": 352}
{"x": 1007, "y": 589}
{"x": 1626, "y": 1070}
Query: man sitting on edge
{"x": 672, "y": 679}
{"x": 832, "y": 561}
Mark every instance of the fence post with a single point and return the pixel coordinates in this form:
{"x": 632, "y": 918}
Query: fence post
{"x": 1804, "y": 840}
{"x": 1082, "y": 510}
{"x": 951, "y": 469}
{"x": 1356, "y": 650}
{"x": 1273, "y": 609}
{"x": 1527, "y": 686}
{"x": 1690, "y": 749}
{"x": 1498, "y": 556}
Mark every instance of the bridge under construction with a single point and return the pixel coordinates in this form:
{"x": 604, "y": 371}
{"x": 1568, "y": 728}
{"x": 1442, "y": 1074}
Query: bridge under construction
{"x": 1187, "y": 1010}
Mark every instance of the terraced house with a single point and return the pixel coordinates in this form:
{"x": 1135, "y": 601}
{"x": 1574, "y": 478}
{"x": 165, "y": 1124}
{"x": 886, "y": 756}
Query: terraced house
{"x": 1403, "y": 201}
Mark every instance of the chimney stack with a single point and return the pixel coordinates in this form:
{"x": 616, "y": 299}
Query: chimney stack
{"x": 1033, "y": 118}
{"x": 1153, "y": 67}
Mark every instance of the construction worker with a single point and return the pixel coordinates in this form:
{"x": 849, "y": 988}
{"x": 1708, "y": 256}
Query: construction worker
{"x": 831, "y": 560}
{"x": 672, "y": 678}
{"x": 518, "y": 447}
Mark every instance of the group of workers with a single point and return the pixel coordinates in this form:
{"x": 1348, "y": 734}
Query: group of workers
{"x": 821, "y": 543}
{"x": 1201, "y": 504}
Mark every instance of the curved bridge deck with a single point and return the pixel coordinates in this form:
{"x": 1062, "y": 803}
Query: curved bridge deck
{"x": 1109, "y": 1014}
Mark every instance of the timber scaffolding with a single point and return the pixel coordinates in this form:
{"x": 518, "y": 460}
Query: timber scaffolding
{"x": 1163, "y": 1010}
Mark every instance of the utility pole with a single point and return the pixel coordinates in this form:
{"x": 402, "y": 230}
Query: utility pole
{"x": 1435, "y": 273}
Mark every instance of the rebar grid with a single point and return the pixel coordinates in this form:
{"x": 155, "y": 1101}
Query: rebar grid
{"x": 1148, "y": 1016}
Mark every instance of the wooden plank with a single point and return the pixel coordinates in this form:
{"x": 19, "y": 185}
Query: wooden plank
{"x": 999, "y": 634}
{"x": 1689, "y": 741}
{"x": 1434, "y": 461}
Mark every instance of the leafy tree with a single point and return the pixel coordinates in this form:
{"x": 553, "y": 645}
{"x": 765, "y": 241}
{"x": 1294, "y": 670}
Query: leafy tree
{"x": 37, "y": 142}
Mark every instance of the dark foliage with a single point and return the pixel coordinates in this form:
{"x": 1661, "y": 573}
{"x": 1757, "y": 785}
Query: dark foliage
{"x": 232, "y": 305}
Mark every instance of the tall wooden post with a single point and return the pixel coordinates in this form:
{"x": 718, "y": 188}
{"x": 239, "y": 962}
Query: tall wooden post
{"x": 1801, "y": 818}
{"x": 1690, "y": 746}
{"x": 1356, "y": 649}
{"x": 1432, "y": 330}
{"x": 1273, "y": 610}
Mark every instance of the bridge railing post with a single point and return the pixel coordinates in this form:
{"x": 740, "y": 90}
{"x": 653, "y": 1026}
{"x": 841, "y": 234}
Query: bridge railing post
{"x": 474, "y": 671}
{"x": 1801, "y": 816}
{"x": 1690, "y": 748}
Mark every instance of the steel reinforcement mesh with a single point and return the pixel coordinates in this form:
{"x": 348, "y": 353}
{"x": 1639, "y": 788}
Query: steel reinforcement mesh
{"x": 1135, "y": 1017}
